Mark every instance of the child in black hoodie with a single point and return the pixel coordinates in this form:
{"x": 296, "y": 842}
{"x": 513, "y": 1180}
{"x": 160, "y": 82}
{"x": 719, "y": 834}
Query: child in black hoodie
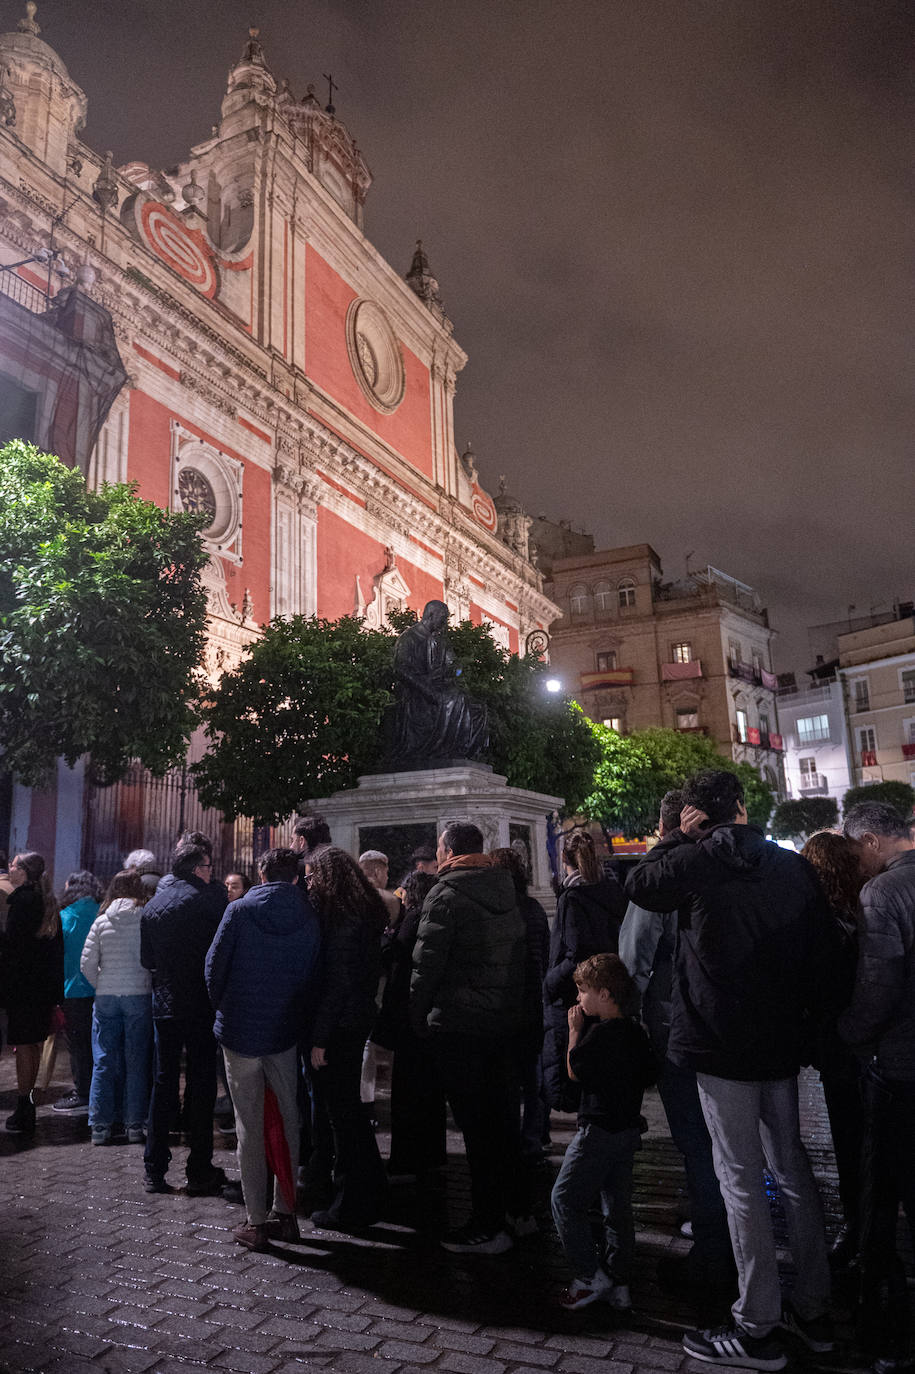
{"x": 610, "y": 1057}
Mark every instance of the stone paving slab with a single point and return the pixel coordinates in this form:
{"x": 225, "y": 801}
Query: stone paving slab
{"x": 96, "y": 1275}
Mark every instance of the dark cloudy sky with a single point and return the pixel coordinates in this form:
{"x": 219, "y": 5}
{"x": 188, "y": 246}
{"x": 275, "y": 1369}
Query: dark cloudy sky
{"x": 675, "y": 237}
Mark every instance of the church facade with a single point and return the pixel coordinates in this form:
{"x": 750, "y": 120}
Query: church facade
{"x": 282, "y": 377}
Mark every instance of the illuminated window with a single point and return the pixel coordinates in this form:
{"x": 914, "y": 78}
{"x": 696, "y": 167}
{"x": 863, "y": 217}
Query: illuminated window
{"x": 810, "y": 729}
{"x": 606, "y": 661}
{"x": 625, "y": 592}
{"x": 614, "y": 723}
{"x": 681, "y": 653}
{"x": 808, "y": 768}
{"x": 742, "y": 725}
{"x": 687, "y": 718}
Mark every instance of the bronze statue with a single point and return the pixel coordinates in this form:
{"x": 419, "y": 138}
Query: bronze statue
{"x": 434, "y": 722}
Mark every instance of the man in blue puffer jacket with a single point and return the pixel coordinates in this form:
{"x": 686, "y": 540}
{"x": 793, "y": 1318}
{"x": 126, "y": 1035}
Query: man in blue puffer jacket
{"x": 259, "y": 972}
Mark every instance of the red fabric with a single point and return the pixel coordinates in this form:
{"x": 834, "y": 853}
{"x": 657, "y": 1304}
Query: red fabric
{"x": 276, "y": 1147}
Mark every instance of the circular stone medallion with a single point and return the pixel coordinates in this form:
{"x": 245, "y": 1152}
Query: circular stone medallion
{"x": 374, "y": 355}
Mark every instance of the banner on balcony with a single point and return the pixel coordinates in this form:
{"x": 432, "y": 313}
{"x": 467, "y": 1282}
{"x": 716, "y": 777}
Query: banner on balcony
{"x": 768, "y": 679}
{"x": 611, "y": 677}
{"x": 677, "y": 672}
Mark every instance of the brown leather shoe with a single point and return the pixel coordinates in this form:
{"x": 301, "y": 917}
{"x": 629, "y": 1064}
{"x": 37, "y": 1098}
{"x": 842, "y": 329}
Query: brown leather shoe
{"x": 283, "y": 1226}
{"x": 253, "y": 1237}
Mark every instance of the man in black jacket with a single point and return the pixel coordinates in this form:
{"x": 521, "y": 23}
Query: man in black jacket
{"x": 467, "y": 991}
{"x": 751, "y": 923}
{"x": 176, "y": 930}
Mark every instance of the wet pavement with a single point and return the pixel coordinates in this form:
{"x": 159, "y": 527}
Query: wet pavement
{"x": 97, "y": 1275}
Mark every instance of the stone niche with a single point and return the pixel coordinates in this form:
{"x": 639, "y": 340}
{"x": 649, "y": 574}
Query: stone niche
{"x": 395, "y": 812}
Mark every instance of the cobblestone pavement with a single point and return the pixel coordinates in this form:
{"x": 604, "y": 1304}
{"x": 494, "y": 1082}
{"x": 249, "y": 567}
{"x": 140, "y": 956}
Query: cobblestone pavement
{"x": 97, "y": 1275}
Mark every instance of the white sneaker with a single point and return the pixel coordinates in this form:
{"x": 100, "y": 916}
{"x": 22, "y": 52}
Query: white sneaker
{"x": 582, "y": 1292}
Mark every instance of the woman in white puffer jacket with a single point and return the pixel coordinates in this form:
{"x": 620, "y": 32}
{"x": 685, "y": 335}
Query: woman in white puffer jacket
{"x": 122, "y": 1014}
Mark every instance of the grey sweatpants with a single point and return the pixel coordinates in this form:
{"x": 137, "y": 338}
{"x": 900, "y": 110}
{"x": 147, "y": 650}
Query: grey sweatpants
{"x": 248, "y": 1077}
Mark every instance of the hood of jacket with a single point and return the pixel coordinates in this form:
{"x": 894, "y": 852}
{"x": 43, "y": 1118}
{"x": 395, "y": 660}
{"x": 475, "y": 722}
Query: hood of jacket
{"x": 491, "y": 888}
{"x": 122, "y": 910}
{"x": 275, "y": 908}
{"x": 742, "y": 848}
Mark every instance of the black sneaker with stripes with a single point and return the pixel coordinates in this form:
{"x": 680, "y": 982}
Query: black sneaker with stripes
{"x": 731, "y": 1345}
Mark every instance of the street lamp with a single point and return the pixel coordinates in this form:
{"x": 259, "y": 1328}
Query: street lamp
{"x": 553, "y": 684}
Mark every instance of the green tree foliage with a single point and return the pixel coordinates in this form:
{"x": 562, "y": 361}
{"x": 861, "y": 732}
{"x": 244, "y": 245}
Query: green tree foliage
{"x": 898, "y": 794}
{"x": 303, "y": 716}
{"x": 102, "y": 619}
{"x": 795, "y": 820}
{"x": 634, "y": 772}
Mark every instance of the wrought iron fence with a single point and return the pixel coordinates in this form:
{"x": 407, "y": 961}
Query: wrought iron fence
{"x": 145, "y": 812}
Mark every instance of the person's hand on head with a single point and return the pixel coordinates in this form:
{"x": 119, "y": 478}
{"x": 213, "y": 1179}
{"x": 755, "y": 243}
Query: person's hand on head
{"x": 693, "y": 821}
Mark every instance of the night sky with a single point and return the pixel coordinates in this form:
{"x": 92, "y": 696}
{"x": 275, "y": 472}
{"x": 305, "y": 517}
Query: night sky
{"x": 675, "y": 239}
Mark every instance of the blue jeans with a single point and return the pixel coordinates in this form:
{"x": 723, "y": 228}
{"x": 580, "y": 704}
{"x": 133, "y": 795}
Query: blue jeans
{"x": 598, "y": 1163}
{"x": 121, "y": 1033}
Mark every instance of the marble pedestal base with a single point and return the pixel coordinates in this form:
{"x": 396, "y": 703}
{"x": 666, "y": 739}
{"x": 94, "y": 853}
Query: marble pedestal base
{"x": 395, "y": 812}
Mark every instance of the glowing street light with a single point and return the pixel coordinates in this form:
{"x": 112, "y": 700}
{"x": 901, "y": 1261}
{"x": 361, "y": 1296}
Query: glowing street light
{"x": 553, "y": 684}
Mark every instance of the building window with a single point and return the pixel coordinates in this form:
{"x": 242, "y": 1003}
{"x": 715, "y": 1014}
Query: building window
{"x": 867, "y": 739}
{"x": 757, "y": 662}
{"x": 742, "y": 725}
{"x": 681, "y": 653}
{"x": 603, "y": 597}
{"x": 908, "y": 732}
{"x": 625, "y": 591}
{"x": 808, "y": 767}
{"x": 862, "y": 695}
{"x": 606, "y": 661}
{"x": 614, "y": 723}
{"x": 763, "y": 729}
{"x": 908, "y": 684}
{"x": 734, "y": 653}
{"x": 687, "y": 718}
{"x": 811, "y": 729}
{"x": 578, "y": 600}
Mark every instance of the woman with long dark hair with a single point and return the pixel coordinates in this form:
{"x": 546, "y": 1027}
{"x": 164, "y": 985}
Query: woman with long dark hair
{"x": 589, "y": 914}
{"x": 353, "y": 917}
{"x": 31, "y": 976}
{"x": 840, "y": 877}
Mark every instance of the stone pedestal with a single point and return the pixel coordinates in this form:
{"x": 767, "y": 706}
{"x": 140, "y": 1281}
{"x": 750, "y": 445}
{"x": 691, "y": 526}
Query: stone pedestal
{"x": 395, "y": 812}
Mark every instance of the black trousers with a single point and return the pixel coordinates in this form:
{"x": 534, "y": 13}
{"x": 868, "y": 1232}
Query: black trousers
{"x": 360, "y": 1185}
{"x": 887, "y": 1179}
{"x": 417, "y": 1108}
{"x": 196, "y": 1038}
{"x": 78, "y": 1023}
{"x": 479, "y": 1076}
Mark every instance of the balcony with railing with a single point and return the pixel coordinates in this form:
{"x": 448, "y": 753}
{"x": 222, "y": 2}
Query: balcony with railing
{"x": 908, "y": 750}
{"x": 24, "y": 293}
{"x": 814, "y": 785}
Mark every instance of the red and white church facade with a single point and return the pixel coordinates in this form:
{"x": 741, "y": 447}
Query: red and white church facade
{"x": 281, "y": 375}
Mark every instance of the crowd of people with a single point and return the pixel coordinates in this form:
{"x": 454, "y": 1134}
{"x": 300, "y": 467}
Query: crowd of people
{"x": 726, "y": 964}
